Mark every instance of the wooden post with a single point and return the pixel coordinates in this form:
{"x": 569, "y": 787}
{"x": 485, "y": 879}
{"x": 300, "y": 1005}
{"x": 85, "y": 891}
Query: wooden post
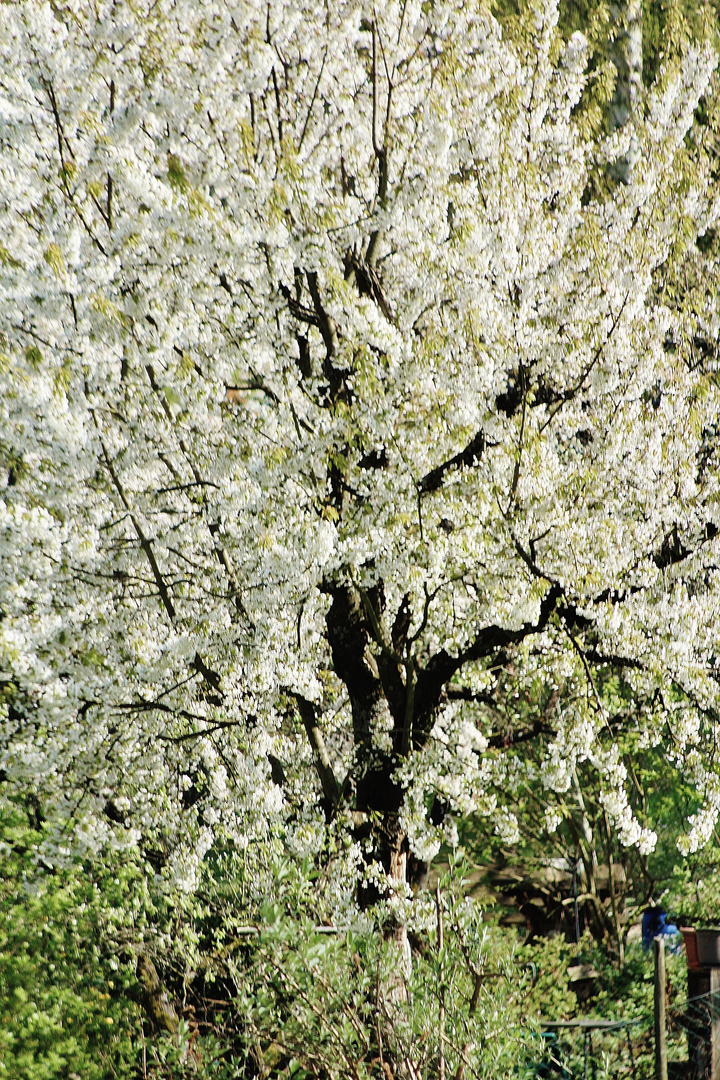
{"x": 714, "y": 1023}
{"x": 698, "y": 982}
{"x": 661, "y": 1070}
{"x": 440, "y": 995}
{"x": 441, "y": 988}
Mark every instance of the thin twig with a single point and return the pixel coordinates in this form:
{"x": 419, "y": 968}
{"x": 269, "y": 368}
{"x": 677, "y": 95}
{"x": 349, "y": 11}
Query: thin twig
{"x": 312, "y": 102}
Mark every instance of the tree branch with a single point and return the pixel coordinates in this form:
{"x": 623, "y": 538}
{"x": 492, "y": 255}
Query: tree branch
{"x": 145, "y": 544}
{"x": 442, "y": 666}
{"x": 513, "y": 737}
{"x": 380, "y": 148}
{"x": 328, "y": 780}
{"x": 322, "y": 320}
{"x": 470, "y": 456}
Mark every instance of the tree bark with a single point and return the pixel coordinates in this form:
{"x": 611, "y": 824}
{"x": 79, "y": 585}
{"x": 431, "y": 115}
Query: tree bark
{"x": 377, "y": 793}
{"x": 627, "y": 58}
{"x": 154, "y": 997}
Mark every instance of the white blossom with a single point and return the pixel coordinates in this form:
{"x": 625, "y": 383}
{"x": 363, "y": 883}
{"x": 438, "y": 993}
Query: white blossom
{"x": 265, "y": 349}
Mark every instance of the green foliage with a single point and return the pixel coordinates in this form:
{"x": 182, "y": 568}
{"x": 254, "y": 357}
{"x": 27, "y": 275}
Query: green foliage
{"x": 693, "y": 891}
{"x": 619, "y": 993}
{"x": 668, "y": 26}
{"x": 64, "y": 1010}
{"x": 293, "y": 999}
{"x": 556, "y": 828}
{"x": 307, "y": 1000}
{"x": 69, "y": 996}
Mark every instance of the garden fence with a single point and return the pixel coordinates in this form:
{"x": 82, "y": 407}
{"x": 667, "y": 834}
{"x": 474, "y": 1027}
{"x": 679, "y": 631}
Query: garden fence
{"x": 591, "y": 1049}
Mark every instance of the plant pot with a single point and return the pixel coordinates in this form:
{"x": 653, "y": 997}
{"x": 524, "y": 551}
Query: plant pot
{"x": 691, "y": 948}
{"x": 708, "y": 947}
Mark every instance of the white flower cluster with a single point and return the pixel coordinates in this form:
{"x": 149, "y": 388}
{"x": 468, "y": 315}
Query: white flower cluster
{"x": 277, "y": 317}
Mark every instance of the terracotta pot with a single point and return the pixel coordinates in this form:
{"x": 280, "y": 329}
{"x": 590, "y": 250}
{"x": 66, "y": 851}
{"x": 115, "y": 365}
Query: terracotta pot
{"x": 691, "y": 947}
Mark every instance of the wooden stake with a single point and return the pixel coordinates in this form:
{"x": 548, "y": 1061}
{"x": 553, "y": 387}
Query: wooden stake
{"x": 715, "y": 1023}
{"x": 441, "y": 1006}
{"x": 661, "y": 1070}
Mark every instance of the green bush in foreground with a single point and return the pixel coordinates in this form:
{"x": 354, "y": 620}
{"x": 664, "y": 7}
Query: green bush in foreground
{"x": 291, "y": 1001}
{"x": 63, "y": 1012}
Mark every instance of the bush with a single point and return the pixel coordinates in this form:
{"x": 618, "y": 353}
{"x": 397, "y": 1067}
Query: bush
{"x": 64, "y": 1012}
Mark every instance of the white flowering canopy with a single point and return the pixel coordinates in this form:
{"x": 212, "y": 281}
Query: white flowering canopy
{"x": 338, "y": 379}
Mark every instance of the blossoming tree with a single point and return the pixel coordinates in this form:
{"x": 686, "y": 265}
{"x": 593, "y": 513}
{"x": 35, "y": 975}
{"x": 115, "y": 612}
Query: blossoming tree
{"x": 345, "y": 394}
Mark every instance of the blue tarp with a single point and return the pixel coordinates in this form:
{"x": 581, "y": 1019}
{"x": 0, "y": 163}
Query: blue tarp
{"x": 655, "y": 924}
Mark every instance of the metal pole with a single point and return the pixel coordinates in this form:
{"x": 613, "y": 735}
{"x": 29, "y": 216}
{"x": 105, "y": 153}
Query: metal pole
{"x": 630, "y": 1051}
{"x": 661, "y": 1070}
{"x": 575, "y": 898}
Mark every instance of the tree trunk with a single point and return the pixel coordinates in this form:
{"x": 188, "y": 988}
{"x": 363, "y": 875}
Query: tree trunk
{"x": 627, "y": 58}
{"x": 154, "y": 997}
{"x": 377, "y": 698}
